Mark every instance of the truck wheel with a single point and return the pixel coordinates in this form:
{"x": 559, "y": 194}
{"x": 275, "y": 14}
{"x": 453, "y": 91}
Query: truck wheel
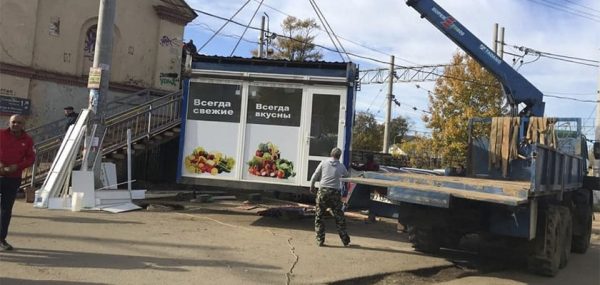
{"x": 546, "y": 256}
{"x": 566, "y": 236}
{"x": 424, "y": 239}
{"x": 582, "y": 215}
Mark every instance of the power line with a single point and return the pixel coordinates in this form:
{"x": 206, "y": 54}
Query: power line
{"x": 372, "y": 59}
{"x": 573, "y": 94}
{"x": 571, "y": 8}
{"x": 246, "y": 28}
{"x": 564, "y": 10}
{"x": 205, "y": 26}
{"x": 348, "y": 40}
{"x": 374, "y": 98}
{"x": 327, "y": 27}
{"x": 547, "y": 55}
{"x": 574, "y": 99}
{"x": 586, "y": 7}
{"x": 230, "y": 20}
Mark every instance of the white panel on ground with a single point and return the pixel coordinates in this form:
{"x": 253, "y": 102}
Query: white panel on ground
{"x": 121, "y": 208}
{"x": 109, "y": 175}
{"x": 83, "y": 182}
{"x": 57, "y": 176}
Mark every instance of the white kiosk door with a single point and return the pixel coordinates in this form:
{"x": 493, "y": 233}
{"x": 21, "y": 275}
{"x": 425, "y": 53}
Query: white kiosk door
{"x": 325, "y": 127}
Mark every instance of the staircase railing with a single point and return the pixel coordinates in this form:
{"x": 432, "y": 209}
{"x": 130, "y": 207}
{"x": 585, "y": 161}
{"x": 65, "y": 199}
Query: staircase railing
{"x": 145, "y": 120}
{"x": 56, "y": 129}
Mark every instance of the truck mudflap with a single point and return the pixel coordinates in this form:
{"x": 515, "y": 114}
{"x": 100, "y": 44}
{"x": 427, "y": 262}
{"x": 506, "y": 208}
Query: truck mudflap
{"x": 437, "y": 191}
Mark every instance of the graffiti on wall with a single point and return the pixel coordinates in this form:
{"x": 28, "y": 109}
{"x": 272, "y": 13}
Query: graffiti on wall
{"x": 89, "y": 44}
{"x": 165, "y": 41}
{"x": 67, "y": 57}
{"x": 168, "y": 78}
{"x": 54, "y": 29}
{"x": 7, "y": 92}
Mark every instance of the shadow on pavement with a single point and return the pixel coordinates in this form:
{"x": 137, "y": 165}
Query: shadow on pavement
{"x": 127, "y": 242}
{"x": 76, "y": 220}
{"x": 15, "y": 281}
{"x": 379, "y": 230}
{"x": 71, "y": 259}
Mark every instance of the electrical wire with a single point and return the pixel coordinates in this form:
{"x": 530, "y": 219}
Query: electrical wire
{"x": 570, "y": 59}
{"x": 246, "y": 28}
{"x": 374, "y": 98}
{"x": 327, "y": 31}
{"x": 326, "y": 25}
{"x": 564, "y": 10}
{"x": 573, "y": 99}
{"x": 230, "y": 20}
{"x": 566, "y": 7}
{"x": 348, "y": 40}
{"x": 383, "y": 62}
{"x": 586, "y": 7}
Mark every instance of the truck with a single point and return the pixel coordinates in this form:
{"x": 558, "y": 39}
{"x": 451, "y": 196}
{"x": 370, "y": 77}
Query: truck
{"x": 525, "y": 184}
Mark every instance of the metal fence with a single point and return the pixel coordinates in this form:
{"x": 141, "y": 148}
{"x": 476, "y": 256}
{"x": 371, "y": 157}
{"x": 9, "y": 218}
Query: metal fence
{"x": 145, "y": 120}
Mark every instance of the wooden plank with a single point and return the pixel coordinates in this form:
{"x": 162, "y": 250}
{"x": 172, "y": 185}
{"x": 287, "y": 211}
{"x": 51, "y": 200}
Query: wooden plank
{"x": 510, "y": 188}
{"x": 506, "y": 123}
{"x": 470, "y": 195}
{"x": 492, "y": 151}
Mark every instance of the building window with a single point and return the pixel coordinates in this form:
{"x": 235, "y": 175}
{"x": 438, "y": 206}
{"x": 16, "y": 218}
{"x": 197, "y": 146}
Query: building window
{"x": 89, "y": 44}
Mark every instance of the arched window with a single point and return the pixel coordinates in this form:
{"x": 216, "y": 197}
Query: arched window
{"x": 89, "y": 46}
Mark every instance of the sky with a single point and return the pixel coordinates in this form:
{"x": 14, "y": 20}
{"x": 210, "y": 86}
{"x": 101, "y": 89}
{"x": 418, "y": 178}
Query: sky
{"x": 380, "y": 28}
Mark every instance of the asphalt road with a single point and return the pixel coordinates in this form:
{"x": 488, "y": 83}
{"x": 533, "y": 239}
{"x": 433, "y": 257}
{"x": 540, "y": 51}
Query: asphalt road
{"x": 218, "y": 243}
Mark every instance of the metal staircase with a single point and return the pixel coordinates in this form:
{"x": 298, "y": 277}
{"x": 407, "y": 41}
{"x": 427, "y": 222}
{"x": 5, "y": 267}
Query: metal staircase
{"x": 146, "y": 113}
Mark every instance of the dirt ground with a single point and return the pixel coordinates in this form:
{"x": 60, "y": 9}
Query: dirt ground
{"x": 227, "y": 243}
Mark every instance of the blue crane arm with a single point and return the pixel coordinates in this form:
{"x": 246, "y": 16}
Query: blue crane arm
{"x": 517, "y": 88}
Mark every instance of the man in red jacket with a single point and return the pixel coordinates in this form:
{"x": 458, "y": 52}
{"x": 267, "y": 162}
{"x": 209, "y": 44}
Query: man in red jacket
{"x": 16, "y": 154}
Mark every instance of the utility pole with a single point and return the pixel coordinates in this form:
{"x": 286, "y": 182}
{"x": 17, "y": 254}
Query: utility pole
{"x": 501, "y": 49}
{"x": 261, "y": 38}
{"x": 596, "y": 164}
{"x": 495, "y": 41}
{"x": 498, "y": 43}
{"x": 388, "y": 114}
{"x": 97, "y": 97}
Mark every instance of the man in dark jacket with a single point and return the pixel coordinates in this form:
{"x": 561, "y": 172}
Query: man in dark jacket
{"x": 71, "y": 117}
{"x": 16, "y": 154}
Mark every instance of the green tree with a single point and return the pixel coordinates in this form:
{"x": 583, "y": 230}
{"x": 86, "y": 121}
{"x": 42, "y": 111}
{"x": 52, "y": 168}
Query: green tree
{"x": 465, "y": 91}
{"x": 367, "y": 134}
{"x": 398, "y": 128}
{"x": 296, "y": 42}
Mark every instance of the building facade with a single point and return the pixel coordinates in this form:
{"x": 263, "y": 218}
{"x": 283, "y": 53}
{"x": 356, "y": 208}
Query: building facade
{"x": 47, "y": 48}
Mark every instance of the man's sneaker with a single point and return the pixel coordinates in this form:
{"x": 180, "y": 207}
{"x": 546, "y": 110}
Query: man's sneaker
{"x": 5, "y": 246}
{"x": 320, "y": 242}
{"x": 346, "y": 242}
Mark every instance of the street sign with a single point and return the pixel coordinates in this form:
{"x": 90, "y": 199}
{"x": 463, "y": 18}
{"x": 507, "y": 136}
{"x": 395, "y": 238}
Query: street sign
{"x": 14, "y": 105}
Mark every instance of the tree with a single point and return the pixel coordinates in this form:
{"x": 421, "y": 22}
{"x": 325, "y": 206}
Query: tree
{"x": 297, "y": 41}
{"x": 465, "y": 91}
{"x": 366, "y": 132}
{"x": 420, "y": 152}
{"x": 398, "y": 129}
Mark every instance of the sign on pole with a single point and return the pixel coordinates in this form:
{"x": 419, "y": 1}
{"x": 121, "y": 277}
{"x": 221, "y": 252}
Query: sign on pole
{"x": 94, "y": 78}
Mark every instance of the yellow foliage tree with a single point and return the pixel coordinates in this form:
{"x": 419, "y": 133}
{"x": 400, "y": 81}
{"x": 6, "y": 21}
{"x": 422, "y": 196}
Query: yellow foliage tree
{"x": 465, "y": 91}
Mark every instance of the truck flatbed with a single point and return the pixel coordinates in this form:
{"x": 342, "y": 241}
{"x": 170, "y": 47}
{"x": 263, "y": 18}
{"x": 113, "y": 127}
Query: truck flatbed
{"x": 403, "y": 186}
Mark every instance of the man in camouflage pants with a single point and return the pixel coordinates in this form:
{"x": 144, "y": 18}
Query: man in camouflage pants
{"x": 329, "y": 195}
